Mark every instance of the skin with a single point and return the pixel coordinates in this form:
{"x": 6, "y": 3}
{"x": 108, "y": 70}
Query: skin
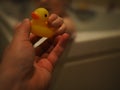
{"x": 26, "y": 68}
{"x": 59, "y": 7}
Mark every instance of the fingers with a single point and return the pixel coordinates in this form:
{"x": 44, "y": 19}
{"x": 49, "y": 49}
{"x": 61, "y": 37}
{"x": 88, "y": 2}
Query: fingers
{"x": 57, "y": 22}
{"x": 48, "y": 59}
{"x": 43, "y": 47}
{"x": 22, "y": 31}
{"x": 61, "y": 30}
{"x": 51, "y": 18}
{"x": 58, "y": 49}
{"x": 51, "y": 46}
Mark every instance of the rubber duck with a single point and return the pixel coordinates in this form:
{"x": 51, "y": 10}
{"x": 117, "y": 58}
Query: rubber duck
{"x": 39, "y": 24}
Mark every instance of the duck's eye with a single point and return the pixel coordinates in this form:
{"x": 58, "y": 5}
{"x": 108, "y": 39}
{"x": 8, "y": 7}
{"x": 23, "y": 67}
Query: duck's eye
{"x": 45, "y": 15}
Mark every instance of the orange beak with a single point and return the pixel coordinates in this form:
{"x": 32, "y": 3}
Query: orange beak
{"x": 35, "y": 16}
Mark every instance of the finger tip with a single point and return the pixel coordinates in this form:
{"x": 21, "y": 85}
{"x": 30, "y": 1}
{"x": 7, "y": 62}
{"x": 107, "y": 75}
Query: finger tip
{"x": 25, "y": 25}
{"x": 52, "y": 17}
{"x": 26, "y": 22}
{"x": 66, "y": 35}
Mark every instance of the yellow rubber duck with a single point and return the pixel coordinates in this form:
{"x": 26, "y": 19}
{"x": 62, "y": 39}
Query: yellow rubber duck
{"x": 39, "y": 25}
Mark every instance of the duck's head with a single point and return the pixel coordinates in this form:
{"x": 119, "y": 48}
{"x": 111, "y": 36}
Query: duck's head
{"x": 40, "y": 14}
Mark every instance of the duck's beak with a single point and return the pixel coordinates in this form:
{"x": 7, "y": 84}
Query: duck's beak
{"x": 35, "y": 16}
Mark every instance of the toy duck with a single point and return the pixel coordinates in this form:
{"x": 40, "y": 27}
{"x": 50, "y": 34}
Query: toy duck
{"x": 39, "y": 25}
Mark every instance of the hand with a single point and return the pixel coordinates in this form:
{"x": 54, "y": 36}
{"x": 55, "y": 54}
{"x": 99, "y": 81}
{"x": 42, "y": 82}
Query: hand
{"x": 26, "y": 68}
{"x": 58, "y": 23}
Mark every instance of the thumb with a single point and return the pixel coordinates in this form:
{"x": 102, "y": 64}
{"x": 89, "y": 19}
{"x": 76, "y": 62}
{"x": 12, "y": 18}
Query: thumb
{"x": 22, "y": 31}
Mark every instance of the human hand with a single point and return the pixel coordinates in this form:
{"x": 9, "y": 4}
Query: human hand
{"x": 26, "y": 68}
{"x": 58, "y": 23}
